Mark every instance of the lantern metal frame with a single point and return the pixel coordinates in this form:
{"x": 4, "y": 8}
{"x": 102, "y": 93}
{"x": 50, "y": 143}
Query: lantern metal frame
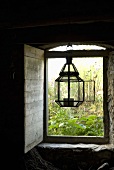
{"x": 69, "y": 76}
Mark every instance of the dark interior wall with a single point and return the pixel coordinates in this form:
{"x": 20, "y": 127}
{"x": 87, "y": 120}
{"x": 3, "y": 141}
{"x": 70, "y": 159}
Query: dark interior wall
{"x": 11, "y": 100}
{"x": 12, "y": 113}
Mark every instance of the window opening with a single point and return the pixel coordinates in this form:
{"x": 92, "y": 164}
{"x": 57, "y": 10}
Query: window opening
{"x": 87, "y": 120}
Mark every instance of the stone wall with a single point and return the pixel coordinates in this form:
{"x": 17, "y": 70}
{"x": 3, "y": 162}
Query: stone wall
{"x": 77, "y": 156}
{"x": 110, "y": 73}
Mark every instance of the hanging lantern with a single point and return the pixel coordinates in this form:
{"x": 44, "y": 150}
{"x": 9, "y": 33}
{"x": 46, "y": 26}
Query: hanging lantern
{"x": 70, "y": 88}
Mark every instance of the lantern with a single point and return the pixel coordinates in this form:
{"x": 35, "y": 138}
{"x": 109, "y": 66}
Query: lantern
{"x": 70, "y": 88}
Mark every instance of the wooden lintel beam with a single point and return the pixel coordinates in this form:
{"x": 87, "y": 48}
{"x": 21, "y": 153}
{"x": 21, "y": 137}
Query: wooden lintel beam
{"x": 77, "y": 53}
{"x": 100, "y": 32}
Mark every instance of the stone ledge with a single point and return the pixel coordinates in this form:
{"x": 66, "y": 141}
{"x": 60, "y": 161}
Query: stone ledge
{"x": 77, "y": 156}
{"x": 94, "y": 147}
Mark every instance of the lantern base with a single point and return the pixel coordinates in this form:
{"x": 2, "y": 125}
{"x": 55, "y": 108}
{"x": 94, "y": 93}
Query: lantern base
{"x": 66, "y": 103}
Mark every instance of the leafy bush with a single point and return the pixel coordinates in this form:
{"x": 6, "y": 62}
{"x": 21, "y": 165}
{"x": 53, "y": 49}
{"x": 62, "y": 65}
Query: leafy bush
{"x": 63, "y": 123}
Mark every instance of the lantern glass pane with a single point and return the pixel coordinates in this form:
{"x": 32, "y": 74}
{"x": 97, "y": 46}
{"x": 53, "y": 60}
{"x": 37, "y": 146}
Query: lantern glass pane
{"x": 89, "y": 90}
{"x": 65, "y": 79}
{"x": 66, "y": 68}
{"x": 63, "y": 90}
{"x": 71, "y": 68}
{"x": 56, "y": 90}
{"x": 77, "y": 91}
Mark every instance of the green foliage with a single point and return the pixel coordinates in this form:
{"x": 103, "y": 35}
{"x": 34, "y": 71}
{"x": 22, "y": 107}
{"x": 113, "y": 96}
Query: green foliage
{"x": 86, "y": 120}
{"x": 64, "y": 123}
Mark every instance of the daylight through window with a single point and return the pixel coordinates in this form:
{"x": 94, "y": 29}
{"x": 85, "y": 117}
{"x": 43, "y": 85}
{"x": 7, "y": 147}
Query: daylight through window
{"x": 85, "y": 120}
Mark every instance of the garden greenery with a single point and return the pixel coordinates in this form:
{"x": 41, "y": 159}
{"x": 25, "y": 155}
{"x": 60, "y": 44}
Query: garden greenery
{"x": 85, "y": 120}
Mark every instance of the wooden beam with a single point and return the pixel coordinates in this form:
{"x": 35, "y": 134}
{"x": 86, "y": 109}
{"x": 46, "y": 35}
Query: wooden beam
{"x": 76, "y": 53}
{"x": 44, "y": 13}
{"x": 64, "y": 33}
{"x": 97, "y": 33}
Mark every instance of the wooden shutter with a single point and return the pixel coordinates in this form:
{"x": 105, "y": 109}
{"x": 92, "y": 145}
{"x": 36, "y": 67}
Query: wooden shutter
{"x": 33, "y": 92}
